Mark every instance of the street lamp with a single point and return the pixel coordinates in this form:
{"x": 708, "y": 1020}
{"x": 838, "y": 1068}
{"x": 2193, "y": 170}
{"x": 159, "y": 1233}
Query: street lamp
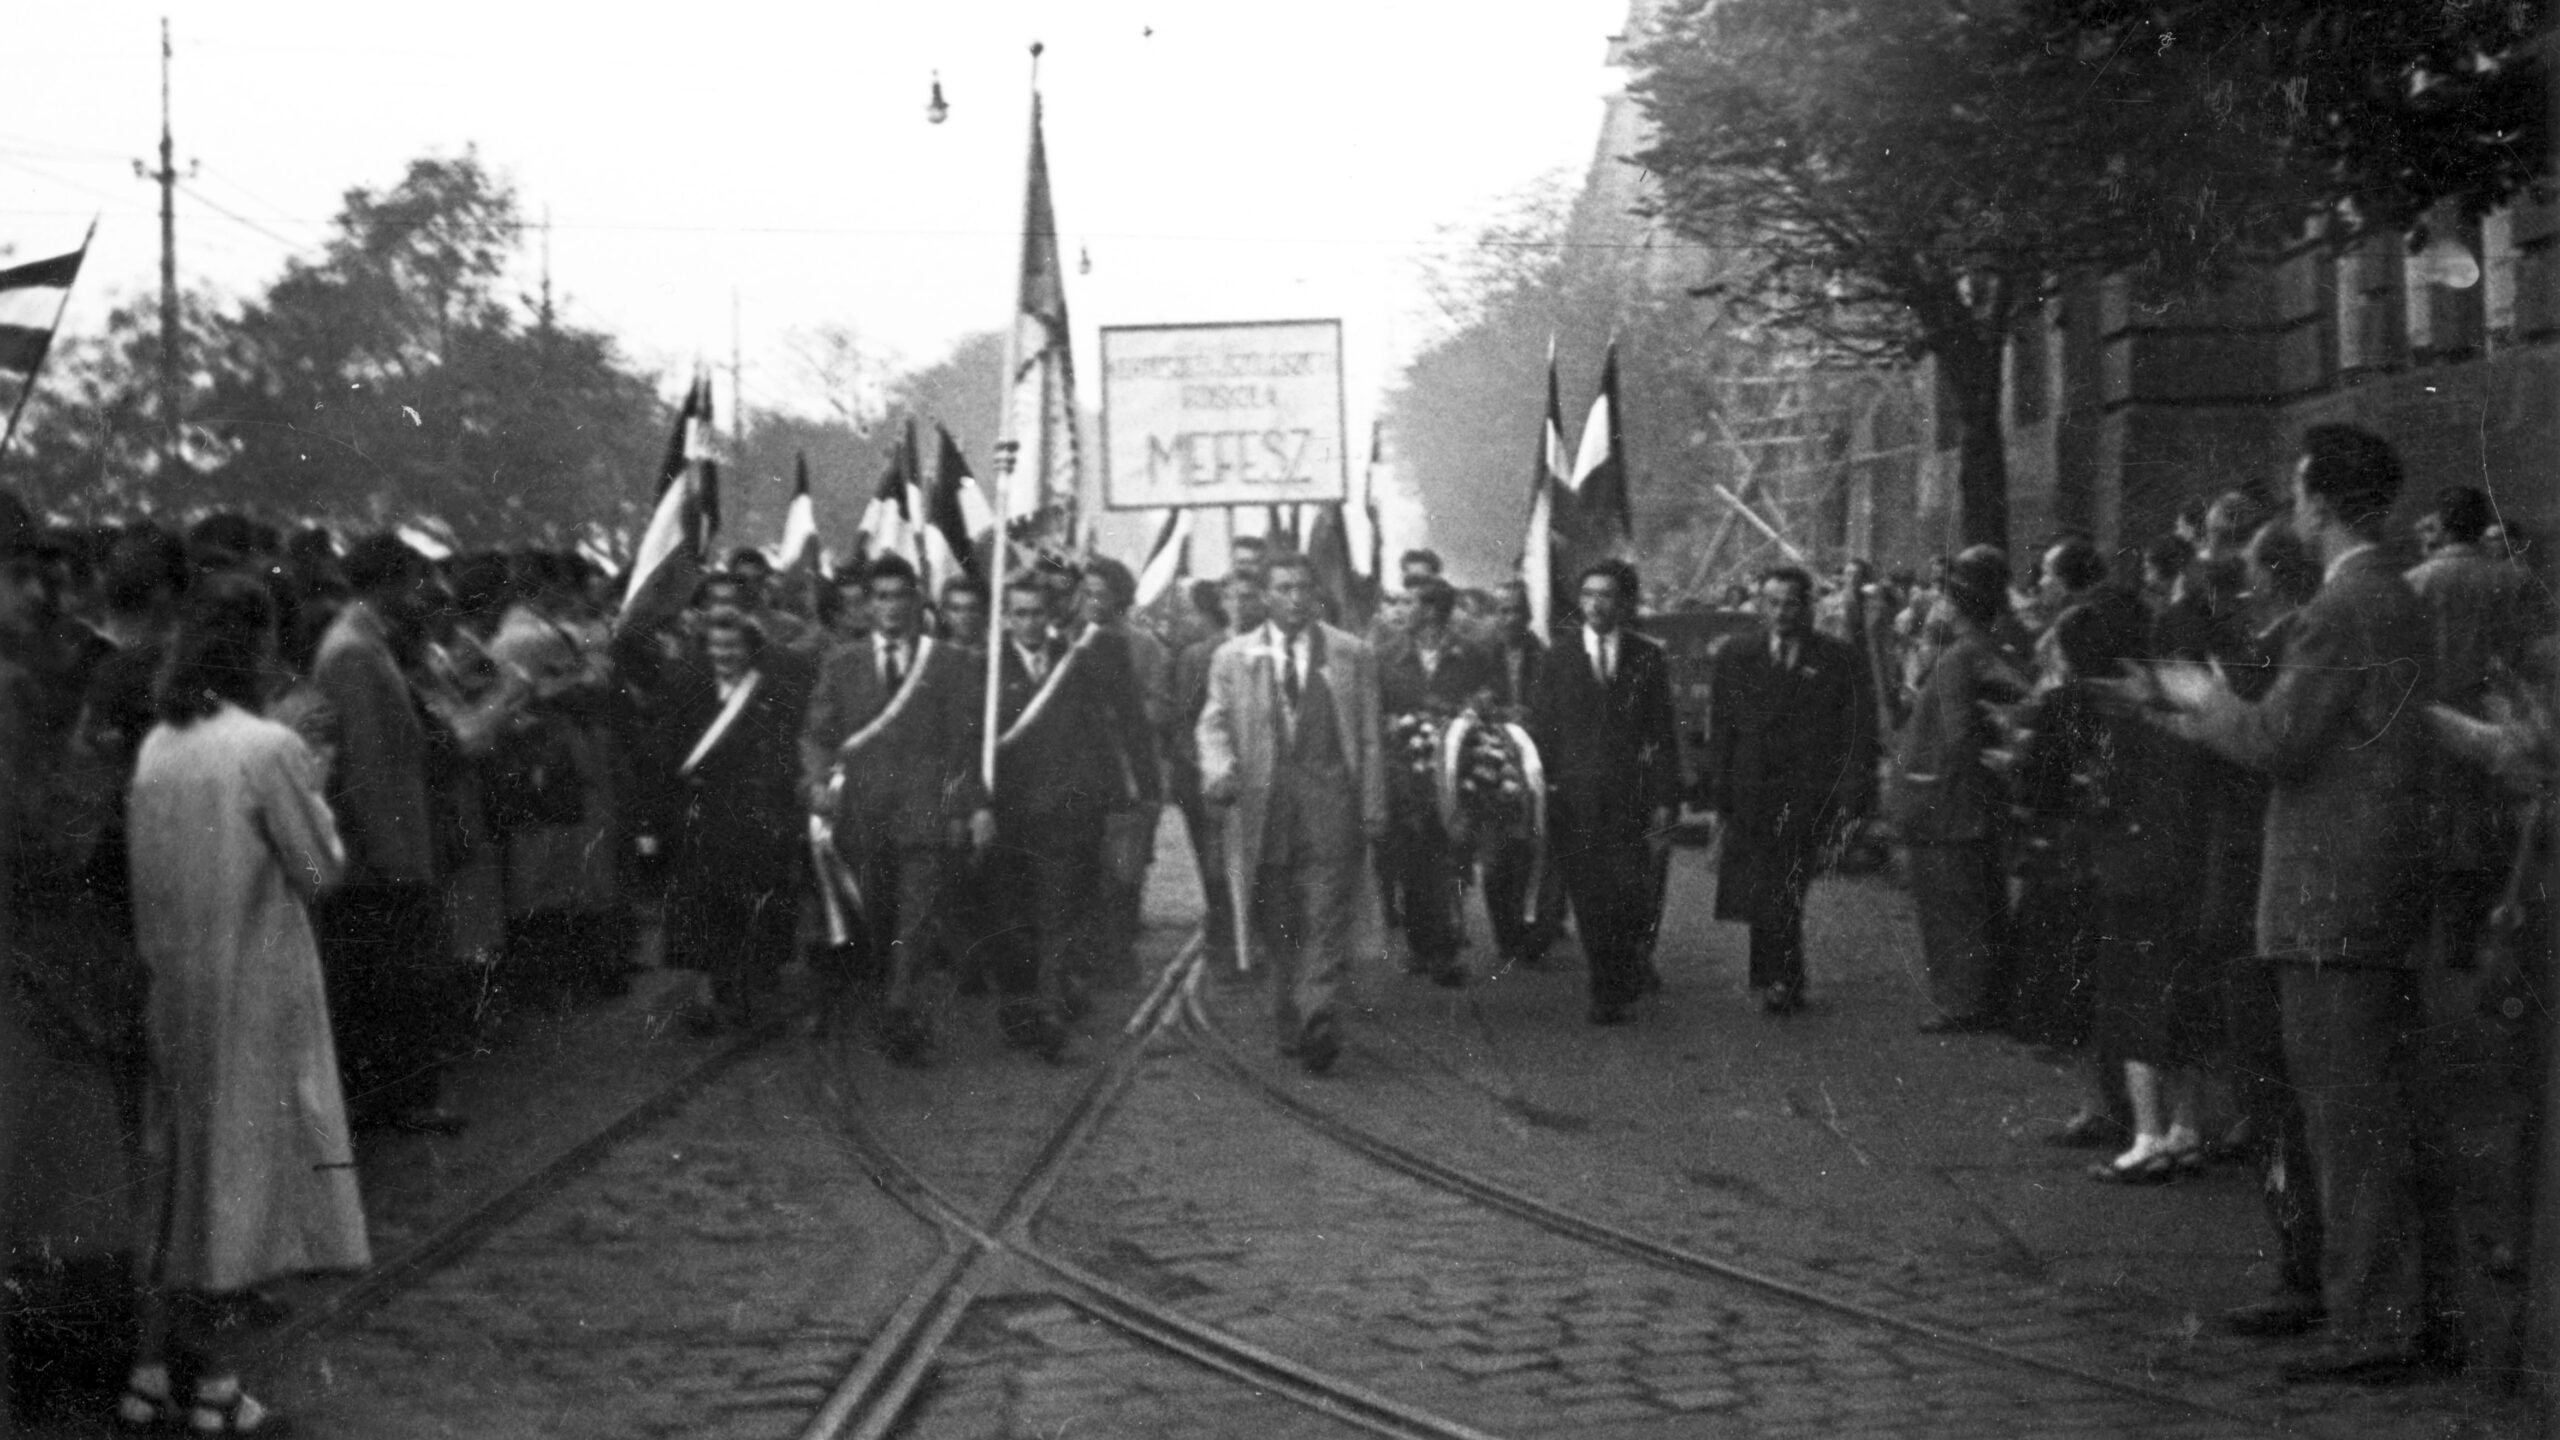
{"x": 936, "y": 110}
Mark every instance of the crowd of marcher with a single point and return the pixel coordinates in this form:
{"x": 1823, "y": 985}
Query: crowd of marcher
{"x": 288, "y": 823}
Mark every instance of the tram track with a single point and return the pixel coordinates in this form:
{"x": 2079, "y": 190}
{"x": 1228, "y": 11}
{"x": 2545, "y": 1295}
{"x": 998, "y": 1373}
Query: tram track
{"x": 1229, "y": 1058}
{"x": 894, "y": 1366}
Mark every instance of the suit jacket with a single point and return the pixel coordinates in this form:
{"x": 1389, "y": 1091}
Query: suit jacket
{"x": 1941, "y": 791}
{"x": 1089, "y": 749}
{"x": 2347, "y": 867}
{"x": 1612, "y": 751}
{"x": 733, "y": 822}
{"x": 1790, "y": 751}
{"x": 1465, "y": 671}
{"x": 916, "y": 770}
{"x": 1240, "y": 739}
{"x": 1516, "y": 670}
{"x": 378, "y": 778}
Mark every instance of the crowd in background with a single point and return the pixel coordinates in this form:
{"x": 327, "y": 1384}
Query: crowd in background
{"x": 290, "y": 823}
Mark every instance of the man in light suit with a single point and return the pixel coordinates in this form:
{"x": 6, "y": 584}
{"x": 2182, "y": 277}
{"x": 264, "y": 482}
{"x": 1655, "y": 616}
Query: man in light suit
{"x": 1611, "y": 739}
{"x": 898, "y": 715}
{"x": 2343, "y": 911}
{"x": 1791, "y": 747}
{"x": 1289, "y": 745}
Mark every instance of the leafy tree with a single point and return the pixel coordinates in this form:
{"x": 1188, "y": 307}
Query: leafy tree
{"x": 91, "y": 447}
{"x": 390, "y": 379}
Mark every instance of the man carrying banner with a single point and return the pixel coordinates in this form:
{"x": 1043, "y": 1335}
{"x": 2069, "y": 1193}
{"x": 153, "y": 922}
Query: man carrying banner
{"x": 888, "y": 761}
{"x": 1289, "y": 746}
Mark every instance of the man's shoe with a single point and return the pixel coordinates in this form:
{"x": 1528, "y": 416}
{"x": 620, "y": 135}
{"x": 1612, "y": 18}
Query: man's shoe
{"x": 1320, "y": 1050}
{"x": 2274, "y": 1318}
{"x": 1781, "y": 1000}
{"x": 1452, "y": 976}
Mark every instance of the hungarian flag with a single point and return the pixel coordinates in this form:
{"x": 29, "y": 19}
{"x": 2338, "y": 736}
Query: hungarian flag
{"x": 1538, "y": 551}
{"x": 1367, "y": 539}
{"x": 1168, "y": 561}
{"x": 800, "y": 549}
{"x": 32, "y": 297}
{"x": 669, "y": 565}
{"x": 889, "y": 521}
{"x": 1604, "y": 519}
{"x": 1041, "y": 405}
{"x": 956, "y": 512}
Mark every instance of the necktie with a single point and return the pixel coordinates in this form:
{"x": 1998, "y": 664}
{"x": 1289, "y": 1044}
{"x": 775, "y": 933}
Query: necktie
{"x": 1600, "y": 666}
{"x": 893, "y": 670}
{"x": 1289, "y": 674}
{"x": 1039, "y": 664}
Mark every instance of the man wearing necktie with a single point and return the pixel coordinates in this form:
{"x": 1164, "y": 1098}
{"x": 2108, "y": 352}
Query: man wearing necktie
{"x": 1611, "y": 740}
{"x": 1791, "y": 750}
{"x": 1289, "y": 747}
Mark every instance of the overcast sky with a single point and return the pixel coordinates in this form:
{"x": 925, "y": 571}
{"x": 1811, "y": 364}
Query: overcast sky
{"x": 1213, "y": 161}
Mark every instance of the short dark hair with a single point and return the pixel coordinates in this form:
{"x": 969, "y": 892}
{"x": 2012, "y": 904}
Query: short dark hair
{"x": 1287, "y": 560}
{"x": 1420, "y": 555}
{"x": 2074, "y": 560}
{"x": 746, "y": 555}
{"x": 1619, "y": 572}
{"x": 1254, "y": 543}
{"x": 1116, "y": 578}
{"x": 2170, "y": 554}
{"x": 1435, "y": 597}
{"x": 1977, "y": 584}
{"x": 964, "y": 585}
{"x": 2097, "y": 638}
{"x": 2465, "y": 512}
{"x": 1027, "y": 581}
{"x": 378, "y": 561}
{"x": 2353, "y": 470}
{"x": 891, "y": 566}
{"x": 219, "y": 649}
{"x": 2234, "y": 516}
{"x": 730, "y": 617}
{"x": 144, "y": 562}
{"x": 1795, "y": 575}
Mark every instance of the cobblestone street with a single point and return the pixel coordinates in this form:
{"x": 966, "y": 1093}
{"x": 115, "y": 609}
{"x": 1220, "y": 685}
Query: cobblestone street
{"x": 1915, "y": 1263}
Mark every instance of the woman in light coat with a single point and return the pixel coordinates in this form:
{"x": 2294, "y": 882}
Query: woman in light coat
{"x": 252, "y": 1173}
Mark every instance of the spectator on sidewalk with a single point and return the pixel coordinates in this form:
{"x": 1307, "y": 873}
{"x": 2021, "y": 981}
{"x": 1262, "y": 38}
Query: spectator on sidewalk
{"x": 252, "y": 1167}
{"x": 2343, "y": 907}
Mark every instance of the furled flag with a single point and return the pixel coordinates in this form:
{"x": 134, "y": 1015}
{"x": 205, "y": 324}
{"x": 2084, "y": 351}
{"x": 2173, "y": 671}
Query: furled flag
{"x": 707, "y": 469}
{"x": 32, "y": 299}
{"x": 669, "y": 564}
{"x": 1041, "y": 410}
{"x": 800, "y": 548}
{"x": 1604, "y": 518}
{"x": 1538, "y": 555}
{"x": 888, "y": 522}
{"x": 1368, "y": 542}
{"x": 956, "y": 513}
{"x": 1329, "y": 565}
{"x": 1168, "y": 561}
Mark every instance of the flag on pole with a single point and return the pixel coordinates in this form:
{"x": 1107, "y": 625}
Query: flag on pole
{"x": 1168, "y": 561}
{"x": 1368, "y": 544}
{"x": 800, "y": 520}
{"x": 32, "y": 299}
{"x": 1329, "y": 564}
{"x": 1045, "y": 478}
{"x": 956, "y": 513}
{"x": 1604, "y": 515}
{"x": 707, "y": 471}
{"x": 888, "y": 522}
{"x": 1538, "y": 554}
{"x": 913, "y": 459}
{"x": 669, "y": 563}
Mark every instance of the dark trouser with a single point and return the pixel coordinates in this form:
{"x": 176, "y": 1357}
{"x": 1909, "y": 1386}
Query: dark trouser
{"x": 1047, "y": 871}
{"x": 1523, "y": 925}
{"x": 1777, "y": 940}
{"x": 740, "y": 937}
{"x": 393, "y": 1011}
{"x": 1608, "y": 879}
{"x": 2353, "y": 1037}
{"x": 1427, "y": 877}
{"x": 1964, "y": 914}
{"x": 1120, "y": 915}
{"x": 1208, "y": 829}
{"x": 2254, "y": 1020}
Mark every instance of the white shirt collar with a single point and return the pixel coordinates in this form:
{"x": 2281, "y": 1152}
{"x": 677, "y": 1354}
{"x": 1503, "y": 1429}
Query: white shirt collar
{"x": 2351, "y": 552}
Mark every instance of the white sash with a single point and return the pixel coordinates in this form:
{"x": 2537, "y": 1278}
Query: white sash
{"x": 1048, "y": 688}
{"x": 897, "y": 704}
{"x": 721, "y": 722}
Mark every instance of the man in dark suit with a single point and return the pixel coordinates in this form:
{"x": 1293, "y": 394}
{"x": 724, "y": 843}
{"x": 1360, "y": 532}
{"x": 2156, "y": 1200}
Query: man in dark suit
{"x": 1072, "y": 747}
{"x": 2343, "y": 911}
{"x": 1611, "y": 739}
{"x": 897, "y": 716}
{"x": 1791, "y": 749}
{"x": 1427, "y": 671}
{"x": 1523, "y": 924}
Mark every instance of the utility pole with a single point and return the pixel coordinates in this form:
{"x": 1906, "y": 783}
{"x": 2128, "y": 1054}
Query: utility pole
{"x": 172, "y": 390}
{"x": 544, "y": 315}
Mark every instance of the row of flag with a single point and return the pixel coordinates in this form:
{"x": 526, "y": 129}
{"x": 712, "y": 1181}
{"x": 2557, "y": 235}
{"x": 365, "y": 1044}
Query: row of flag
{"x": 1579, "y": 508}
{"x": 32, "y": 299}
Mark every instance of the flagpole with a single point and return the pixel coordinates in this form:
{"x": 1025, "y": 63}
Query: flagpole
{"x": 19, "y": 407}
{"x": 1008, "y": 444}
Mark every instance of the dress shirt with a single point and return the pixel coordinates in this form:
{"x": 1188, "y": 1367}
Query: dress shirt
{"x": 1603, "y": 650}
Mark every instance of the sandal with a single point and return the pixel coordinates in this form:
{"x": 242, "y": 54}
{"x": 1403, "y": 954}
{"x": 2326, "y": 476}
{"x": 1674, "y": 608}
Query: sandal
{"x": 222, "y": 1408}
{"x": 147, "y": 1407}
